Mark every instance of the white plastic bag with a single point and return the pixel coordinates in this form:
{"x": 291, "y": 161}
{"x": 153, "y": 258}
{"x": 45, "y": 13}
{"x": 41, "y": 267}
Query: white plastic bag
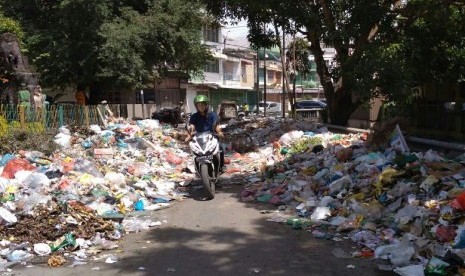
{"x": 37, "y": 180}
{"x": 399, "y": 254}
{"x": 320, "y": 213}
{"x": 7, "y": 217}
{"x": 115, "y": 179}
{"x": 63, "y": 140}
{"x": 42, "y": 249}
{"x": 411, "y": 270}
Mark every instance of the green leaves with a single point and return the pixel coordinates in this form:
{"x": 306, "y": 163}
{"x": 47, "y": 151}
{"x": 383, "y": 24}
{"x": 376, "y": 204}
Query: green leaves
{"x": 383, "y": 48}
{"x": 115, "y": 42}
{"x": 8, "y": 25}
{"x": 298, "y": 57}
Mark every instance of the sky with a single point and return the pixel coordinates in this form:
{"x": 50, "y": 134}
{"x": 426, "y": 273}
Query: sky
{"x": 236, "y": 35}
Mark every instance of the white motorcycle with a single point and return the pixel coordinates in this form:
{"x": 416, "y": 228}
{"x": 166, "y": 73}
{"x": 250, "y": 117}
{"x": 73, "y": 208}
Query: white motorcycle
{"x": 206, "y": 149}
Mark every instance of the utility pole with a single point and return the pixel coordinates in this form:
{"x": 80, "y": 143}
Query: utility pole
{"x": 264, "y": 75}
{"x": 282, "y": 73}
{"x": 294, "y": 73}
{"x": 264, "y": 82}
{"x": 142, "y": 99}
{"x": 258, "y": 81}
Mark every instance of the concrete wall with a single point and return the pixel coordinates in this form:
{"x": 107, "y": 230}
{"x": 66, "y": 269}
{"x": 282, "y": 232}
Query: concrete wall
{"x": 248, "y": 76}
{"x": 135, "y": 110}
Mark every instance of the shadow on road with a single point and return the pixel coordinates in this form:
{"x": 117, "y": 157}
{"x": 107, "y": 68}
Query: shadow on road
{"x": 242, "y": 246}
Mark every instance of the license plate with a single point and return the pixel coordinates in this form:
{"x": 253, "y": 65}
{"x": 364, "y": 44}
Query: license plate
{"x": 204, "y": 158}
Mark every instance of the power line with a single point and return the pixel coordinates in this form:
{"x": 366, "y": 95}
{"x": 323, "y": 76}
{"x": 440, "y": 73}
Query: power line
{"x": 248, "y": 48}
{"x": 234, "y": 27}
{"x": 240, "y": 46}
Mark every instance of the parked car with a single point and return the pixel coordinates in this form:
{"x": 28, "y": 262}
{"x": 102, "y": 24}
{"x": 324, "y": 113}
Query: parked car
{"x": 271, "y": 107}
{"x": 227, "y": 110}
{"x": 310, "y": 104}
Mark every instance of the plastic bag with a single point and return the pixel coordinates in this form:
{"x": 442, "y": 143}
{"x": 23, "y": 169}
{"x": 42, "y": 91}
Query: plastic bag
{"x": 436, "y": 267}
{"x": 139, "y": 169}
{"x": 16, "y": 165}
{"x": 287, "y": 138}
{"x": 445, "y": 233}
{"x": 116, "y": 179}
{"x": 86, "y": 166}
{"x": 6, "y": 158}
{"x": 95, "y": 128}
{"x": 18, "y": 255}
{"x": 172, "y": 158}
{"x": 63, "y": 140}
{"x": 337, "y": 185}
{"x": 139, "y": 205}
{"x": 411, "y": 270}
{"x": 6, "y": 217}
{"x": 459, "y": 202}
{"x": 459, "y": 241}
{"x": 42, "y": 249}
{"x": 399, "y": 254}
{"x": 67, "y": 240}
{"x": 37, "y": 180}
{"x": 35, "y": 199}
{"x": 432, "y": 156}
{"x": 87, "y": 143}
{"x": 320, "y": 213}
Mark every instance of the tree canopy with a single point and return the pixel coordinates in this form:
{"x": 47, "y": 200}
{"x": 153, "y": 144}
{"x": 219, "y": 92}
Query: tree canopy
{"x": 9, "y": 25}
{"x": 383, "y": 47}
{"x": 112, "y": 42}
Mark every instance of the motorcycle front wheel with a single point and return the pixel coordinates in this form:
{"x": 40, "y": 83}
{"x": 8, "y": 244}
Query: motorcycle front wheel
{"x": 207, "y": 183}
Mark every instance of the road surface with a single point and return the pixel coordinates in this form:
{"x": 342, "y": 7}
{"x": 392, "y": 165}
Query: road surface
{"x": 223, "y": 236}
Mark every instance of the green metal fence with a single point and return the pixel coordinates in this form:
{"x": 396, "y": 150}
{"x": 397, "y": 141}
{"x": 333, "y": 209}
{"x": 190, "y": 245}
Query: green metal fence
{"x": 16, "y": 117}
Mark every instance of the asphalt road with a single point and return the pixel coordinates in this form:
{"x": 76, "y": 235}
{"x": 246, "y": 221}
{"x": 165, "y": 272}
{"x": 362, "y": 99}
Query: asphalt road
{"x": 223, "y": 236}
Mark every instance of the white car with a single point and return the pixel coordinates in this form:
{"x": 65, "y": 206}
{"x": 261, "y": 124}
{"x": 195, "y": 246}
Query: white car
{"x": 271, "y": 107}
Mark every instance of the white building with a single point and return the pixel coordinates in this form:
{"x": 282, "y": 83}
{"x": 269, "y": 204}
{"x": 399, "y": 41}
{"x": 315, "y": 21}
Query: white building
{"x": 227, "y": 77}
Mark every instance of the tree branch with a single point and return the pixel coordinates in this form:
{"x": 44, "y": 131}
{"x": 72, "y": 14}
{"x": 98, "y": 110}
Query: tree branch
{"x": 321, "y": 67}
{"x": 330, "y": 22}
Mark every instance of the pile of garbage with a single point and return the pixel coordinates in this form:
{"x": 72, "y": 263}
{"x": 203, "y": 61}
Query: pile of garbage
{"x": 82, "y": 199}
{"x": 405, "y": 207}
{"x": 402, "y": 206}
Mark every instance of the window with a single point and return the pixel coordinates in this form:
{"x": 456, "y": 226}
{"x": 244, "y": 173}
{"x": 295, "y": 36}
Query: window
{"x": 270, "y": 75}
{"x": 210, "y": 34}
{"x": 244, "y": 72}
{"x": 212, "y": 66}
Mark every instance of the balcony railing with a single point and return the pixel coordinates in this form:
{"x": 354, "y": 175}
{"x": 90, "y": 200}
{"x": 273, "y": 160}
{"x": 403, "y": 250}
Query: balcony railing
{"x": 231, "y": 77}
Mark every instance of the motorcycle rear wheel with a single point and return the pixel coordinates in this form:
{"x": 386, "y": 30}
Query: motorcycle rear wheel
{"x": 207, "y": 183}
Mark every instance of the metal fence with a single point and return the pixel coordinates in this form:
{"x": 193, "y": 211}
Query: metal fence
{"x": 437, "y": 121}
{"x": 17, "y": 117}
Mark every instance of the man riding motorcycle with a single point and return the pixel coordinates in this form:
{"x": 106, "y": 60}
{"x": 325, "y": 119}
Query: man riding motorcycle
{"x": 204, "y": 120}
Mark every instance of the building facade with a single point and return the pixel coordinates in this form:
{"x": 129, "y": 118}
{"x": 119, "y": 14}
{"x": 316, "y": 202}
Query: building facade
{"x": 229, "y": 76}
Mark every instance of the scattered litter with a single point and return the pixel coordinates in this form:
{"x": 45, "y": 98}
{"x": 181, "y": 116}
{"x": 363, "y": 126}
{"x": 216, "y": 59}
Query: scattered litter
{"x": 401, "y": 206}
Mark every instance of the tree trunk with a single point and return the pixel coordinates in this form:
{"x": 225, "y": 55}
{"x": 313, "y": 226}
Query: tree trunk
{"x": 285, "y": 72}
{"x": 340, "y": 107}
{"x": 294, "y": 98}
{"x": 94, "y": 92}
